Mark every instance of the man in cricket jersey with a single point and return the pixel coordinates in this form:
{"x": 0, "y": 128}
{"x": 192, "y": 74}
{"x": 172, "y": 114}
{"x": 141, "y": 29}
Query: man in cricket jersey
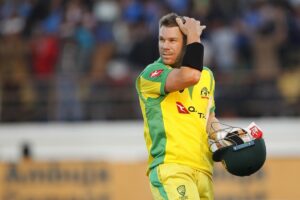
{"x": 176, "y": 96}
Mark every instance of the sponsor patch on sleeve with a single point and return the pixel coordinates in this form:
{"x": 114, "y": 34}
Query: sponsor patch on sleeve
{"x": 156, "y": 73}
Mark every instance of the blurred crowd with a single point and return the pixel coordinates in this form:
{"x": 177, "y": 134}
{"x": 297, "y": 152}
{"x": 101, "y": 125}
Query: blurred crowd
{"x": 74, "y": 60}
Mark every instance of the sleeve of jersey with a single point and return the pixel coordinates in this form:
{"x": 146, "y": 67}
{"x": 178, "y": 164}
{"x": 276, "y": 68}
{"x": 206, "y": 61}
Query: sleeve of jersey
{"x": 152, "y": 81}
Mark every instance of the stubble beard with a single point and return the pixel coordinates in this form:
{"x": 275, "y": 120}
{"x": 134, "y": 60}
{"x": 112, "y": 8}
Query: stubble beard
{"x": 178, "y": 61}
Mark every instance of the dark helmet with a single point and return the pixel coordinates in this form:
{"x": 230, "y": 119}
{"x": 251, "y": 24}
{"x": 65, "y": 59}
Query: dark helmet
{"x": 242, "y": 159}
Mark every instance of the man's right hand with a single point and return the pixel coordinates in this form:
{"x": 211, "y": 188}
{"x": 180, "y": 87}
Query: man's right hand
{"x": 191, "y": 28}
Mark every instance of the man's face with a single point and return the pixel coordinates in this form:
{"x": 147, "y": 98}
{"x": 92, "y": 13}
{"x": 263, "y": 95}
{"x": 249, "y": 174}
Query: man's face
{"x": 170, "y": 45}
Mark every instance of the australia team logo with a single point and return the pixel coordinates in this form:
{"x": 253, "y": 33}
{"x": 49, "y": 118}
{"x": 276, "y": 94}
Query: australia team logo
{"x": 181, "y": 190}
{"x": 204, "y": 93}
{"x": 156, "y": 73}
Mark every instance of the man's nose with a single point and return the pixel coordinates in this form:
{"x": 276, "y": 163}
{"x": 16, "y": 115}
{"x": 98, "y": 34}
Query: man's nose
{"x": 165, "y": 45}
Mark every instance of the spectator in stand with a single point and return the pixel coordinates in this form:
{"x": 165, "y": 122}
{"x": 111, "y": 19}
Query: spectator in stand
{"x": 261, "y": 38}
{"x": 17, "y": 96}
{"x": 77, "y": 43}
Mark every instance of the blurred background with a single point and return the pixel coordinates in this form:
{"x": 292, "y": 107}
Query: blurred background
{"x": 70, "y": 123}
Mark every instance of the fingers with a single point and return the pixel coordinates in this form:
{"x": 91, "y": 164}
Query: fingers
{"x": 187, "y": 23}
{"x": 233, "y": 137}
{"x": 190, "y": 27}
{"x": 179, "y": 21}
{"x": 183, "y": 19}
{"x": 239, "y": 132}
{"x": 187, "y": 20}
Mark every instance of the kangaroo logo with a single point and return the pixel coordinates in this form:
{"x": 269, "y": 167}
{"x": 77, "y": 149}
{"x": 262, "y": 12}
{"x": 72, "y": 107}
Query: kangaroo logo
{"x": 181, "y": 108}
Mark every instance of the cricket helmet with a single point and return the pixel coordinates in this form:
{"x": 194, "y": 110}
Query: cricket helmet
{"x": 243, "y": 159}
{"x": 240, "y": 153}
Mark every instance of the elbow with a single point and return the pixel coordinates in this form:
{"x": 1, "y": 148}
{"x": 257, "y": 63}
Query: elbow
{"x": 194, "y": 77}
{"x": 189, "y": 76}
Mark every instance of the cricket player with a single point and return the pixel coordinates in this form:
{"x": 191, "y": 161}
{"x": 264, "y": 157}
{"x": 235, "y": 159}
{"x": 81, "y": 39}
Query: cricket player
{"x": 176, "y": 96}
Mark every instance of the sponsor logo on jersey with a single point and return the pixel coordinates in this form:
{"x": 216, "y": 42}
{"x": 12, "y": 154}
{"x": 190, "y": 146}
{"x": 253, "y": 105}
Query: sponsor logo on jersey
{"x": 181, "y": 108}
{"x": 191, "y": 109}
{"x": 204, "y": 93}
{"x": 156, "y": 73}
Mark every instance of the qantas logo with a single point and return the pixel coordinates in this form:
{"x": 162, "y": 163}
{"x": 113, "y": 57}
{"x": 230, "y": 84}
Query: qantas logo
{"x": 181, "y": 108}
{"x": 156, "y": 73}
{"x": 191, "y": 109}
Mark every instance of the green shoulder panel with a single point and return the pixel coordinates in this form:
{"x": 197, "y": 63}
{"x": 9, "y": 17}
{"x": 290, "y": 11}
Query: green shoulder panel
{"x": 155, "y": 72}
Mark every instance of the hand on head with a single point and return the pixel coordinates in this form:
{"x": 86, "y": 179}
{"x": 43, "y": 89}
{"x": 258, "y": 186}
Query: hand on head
{"x": 191, "y": 27}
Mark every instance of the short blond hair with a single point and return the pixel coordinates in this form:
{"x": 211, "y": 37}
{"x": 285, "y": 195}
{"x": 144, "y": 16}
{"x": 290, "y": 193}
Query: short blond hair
{"x": 168, "y": 20}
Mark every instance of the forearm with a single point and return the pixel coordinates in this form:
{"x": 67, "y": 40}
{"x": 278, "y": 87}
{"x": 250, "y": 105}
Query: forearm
{"x": 213, "y": 125}
{"x": 192, "y": 29}
{"x": 182, "y": 78}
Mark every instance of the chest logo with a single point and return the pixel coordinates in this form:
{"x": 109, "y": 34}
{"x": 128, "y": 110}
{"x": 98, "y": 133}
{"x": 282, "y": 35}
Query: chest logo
{"x": 204, "y": 93}
{"x": 181, "y": 108}
{"x": 156, "y": 73}
{"x": 181, "y": 190}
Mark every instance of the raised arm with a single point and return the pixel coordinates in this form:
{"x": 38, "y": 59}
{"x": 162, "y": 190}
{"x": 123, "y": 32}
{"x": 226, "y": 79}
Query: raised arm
{"x": 189, "y": 72}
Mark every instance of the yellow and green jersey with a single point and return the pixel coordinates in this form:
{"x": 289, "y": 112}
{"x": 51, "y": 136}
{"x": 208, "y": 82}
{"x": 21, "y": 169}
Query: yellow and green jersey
{"x": 175, "y": 122}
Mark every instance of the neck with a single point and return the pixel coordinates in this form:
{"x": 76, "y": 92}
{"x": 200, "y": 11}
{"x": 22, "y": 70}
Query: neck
{"x": 176, "y": 65}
